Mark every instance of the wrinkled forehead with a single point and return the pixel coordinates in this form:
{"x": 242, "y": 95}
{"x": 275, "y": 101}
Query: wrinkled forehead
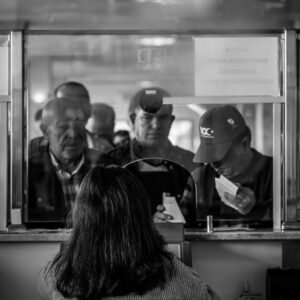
{"x": 65, "y": 115}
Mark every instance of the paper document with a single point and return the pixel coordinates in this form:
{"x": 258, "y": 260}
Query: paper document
{"x": 223, "y": 185}
{"x": 173, "y": 209}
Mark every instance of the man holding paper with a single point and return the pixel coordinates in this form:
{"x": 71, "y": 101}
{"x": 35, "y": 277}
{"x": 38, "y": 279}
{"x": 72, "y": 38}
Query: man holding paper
{"x": 234, "y": 181}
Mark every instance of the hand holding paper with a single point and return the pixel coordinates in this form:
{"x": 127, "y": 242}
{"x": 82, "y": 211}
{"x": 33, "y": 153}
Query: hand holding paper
{"x": 239, "y": 198}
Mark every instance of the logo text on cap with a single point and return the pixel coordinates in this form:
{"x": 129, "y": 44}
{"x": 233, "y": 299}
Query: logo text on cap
{"x": 207, "y": 132}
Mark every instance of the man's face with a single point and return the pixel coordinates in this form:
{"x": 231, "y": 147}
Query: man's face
{"x": 232, "y": 164}
{"x": 153, "y": 129}
{"x": 66, "y": 134}
{"x": 101, "y": 127}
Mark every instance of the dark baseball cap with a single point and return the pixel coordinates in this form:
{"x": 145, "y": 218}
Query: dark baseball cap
{"x": 148, "y": 99}
{"x": 218, "y": 127}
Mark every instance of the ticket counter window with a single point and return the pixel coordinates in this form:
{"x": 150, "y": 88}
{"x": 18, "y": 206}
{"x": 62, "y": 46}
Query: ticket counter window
{"x": 112, "y": 68}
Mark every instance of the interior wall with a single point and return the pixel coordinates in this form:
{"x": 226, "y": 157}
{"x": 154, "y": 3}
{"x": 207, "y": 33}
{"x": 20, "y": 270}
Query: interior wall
{"x": 225, "y": 265}
{"x": 222, "y": 264}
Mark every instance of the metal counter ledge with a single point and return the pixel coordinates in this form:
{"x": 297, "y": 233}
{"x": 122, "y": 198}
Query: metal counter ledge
{"x": 171, "y": 235}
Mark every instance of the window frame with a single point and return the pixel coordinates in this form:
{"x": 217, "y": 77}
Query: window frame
{"x": 286, "y": 187}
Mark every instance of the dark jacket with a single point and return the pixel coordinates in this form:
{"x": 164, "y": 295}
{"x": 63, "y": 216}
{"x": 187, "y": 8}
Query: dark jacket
{"x": 45, "y": 194}
{"x": 133, "y": 151}
{"x": 258, "y": 177}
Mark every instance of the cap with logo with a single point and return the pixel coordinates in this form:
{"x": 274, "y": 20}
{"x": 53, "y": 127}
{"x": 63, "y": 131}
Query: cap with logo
{"x": 149, "y": 99}
{"x": 218, "y": 127}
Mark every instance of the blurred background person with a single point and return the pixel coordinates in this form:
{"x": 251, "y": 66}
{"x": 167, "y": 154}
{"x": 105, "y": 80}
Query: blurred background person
{"x": 37, "y": 123}
{"x": 115, "y": 250}
{"x": 101, "y": 126}
{"x": 121, "y": 138}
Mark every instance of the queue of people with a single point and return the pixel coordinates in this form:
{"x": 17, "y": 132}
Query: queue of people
{"x": 71, "y": 145}
{"x": 109, "y": 195}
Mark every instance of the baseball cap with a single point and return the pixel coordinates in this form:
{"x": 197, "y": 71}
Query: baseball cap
{"x": 148, "y": 99}
{"x": 218, "y": 127}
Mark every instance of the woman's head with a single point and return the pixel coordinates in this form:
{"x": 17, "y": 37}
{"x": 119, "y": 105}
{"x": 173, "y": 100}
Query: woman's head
{"x": 112, "y": 206}
{"x": 114, "y": 248}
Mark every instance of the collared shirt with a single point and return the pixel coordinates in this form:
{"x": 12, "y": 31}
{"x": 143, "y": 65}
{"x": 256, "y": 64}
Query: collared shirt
{"x": 69, "y": 182}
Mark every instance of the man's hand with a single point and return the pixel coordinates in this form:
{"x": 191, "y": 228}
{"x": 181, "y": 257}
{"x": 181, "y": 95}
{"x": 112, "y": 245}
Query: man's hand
{"x": 160, "y": 216}
{"x": 243, "y": 202}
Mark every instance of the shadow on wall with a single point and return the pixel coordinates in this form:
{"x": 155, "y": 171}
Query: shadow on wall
{"x": 225, "y": 265}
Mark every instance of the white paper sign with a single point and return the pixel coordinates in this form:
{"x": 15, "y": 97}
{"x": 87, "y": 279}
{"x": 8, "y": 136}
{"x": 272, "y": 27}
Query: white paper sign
{"x": 3, "y": 70}
{"x": 173, "y": 209}
{"x": 237, "y": 66}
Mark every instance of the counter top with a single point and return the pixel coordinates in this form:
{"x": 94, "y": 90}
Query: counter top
{"x": 196, "y": 235}
{"x": 192, "y": 235}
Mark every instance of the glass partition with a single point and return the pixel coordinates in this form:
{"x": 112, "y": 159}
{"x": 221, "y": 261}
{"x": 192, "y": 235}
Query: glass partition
{"x": 4, "y": 128}
{"x": 113, "y": 68}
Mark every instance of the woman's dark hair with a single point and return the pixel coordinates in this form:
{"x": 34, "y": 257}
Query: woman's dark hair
{"x": 114, "y": 248}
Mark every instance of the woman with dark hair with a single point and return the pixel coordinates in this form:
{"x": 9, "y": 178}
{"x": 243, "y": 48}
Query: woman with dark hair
{"x": 115, "y": 250}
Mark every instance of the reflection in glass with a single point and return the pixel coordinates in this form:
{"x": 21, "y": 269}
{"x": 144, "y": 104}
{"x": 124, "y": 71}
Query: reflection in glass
{"x": 113, "y": 68}
{"x": 164, "y": 177}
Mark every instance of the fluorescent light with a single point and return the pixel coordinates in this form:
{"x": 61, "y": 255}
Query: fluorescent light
{"x": 39, "y": 97}
{"x": 157, "y": 41}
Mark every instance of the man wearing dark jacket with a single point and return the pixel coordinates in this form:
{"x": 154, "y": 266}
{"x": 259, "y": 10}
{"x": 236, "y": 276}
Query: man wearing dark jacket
{"x": 57, "y": 169}
{"x": 234, "y": 184}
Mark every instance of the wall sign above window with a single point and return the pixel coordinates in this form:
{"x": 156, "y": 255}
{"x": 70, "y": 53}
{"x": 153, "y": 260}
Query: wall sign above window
{"x": 237, "y": 66}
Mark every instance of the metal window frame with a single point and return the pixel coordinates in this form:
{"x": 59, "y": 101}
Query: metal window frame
{"x": 17, "y": 125}
{"x": 285, "y": 148}
{"x": 4, "y": 154}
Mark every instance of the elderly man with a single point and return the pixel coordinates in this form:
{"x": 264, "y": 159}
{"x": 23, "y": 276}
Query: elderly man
{"x": 234, "y": 182}
{"x": 150, "y": 122}
{"x": 56, "y": 171}
{"x": 79, "y": 93}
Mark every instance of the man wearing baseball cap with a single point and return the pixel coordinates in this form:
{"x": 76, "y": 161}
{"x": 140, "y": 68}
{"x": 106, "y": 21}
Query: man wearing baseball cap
{"x": 225, "y": 153}
{"x": 162, "y": 166}
{"x": 150, "y": 121}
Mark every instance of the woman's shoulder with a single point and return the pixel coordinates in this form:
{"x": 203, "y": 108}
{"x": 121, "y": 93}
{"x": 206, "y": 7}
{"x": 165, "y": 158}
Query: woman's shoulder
{"x": 187, "y": 284}
{"x": 46, "y": 284}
